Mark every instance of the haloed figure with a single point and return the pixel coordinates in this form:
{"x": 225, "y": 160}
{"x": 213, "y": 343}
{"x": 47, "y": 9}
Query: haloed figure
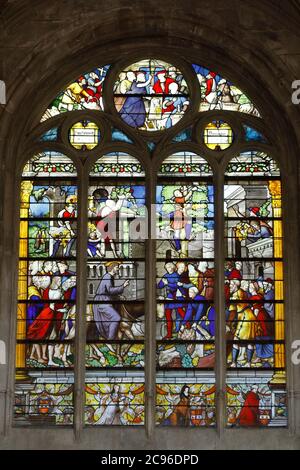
{"x": 111, "y": 414}
{"x": 106, "y": 316}
{"x": 133, "y": 111}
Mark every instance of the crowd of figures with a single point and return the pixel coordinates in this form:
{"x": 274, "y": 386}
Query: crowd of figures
{"x": 50, "y": 313}
{"x": 219, "y": 93}
{"x": 249, "y": 318}
{"x": 151, "y": 96}
{"x": 185, "y": 296}
{"x": 57, "y": 237}
{"x": 185, "y": 304}
{"x": 145, "y": 81}
{"x": 83, "y": 93}
{"x": 188, "y": 293}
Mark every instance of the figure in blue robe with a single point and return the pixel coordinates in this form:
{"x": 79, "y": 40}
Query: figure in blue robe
{"x": 133, "y": 111}
{"x": 269, "y": 304}
{"x": 195, "y": 310}
{"x": 34, "y": 308}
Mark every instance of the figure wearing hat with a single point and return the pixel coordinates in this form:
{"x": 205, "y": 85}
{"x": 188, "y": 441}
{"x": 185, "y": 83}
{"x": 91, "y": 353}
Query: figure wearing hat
{"x": 241, "y": 314}
{"x": 252, "y": 230}
{"x": 261, "y": 229}
{"x": 94, "y": 89}
{"x": 162, "y": 82}
{"x": 211, "y": 95}
{"x": 66, "y": 217}
{"x": 269, "y": 296}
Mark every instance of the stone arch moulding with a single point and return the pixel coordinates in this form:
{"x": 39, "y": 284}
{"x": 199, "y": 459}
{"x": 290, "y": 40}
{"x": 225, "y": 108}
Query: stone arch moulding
{"x": 277, "y": 149}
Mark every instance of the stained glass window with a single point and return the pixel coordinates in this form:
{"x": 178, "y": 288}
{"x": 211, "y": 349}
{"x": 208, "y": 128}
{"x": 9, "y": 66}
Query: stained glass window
{"x": 256, "y": 394}
{"x": 84, "y": 135}
{"x": 118, "y": 135}
{"x": 218, "y": 135}
{"x": 219, "y": 93}
{"x": 118, "y": 164}
{"x": 151, "y": 95}
{"x": 116, "y": 285}
{"x": 50, "y": 136}
{"x": 185, "y": 164}
{"x": 183, "y": 136}
{"x": 112, "y": 115}
{"x": 185, "y": 292}
{"x": 46, "y": 291}
{"x": 253, "y": 135}
{"x": 151, "y": 146}
{"x": 85, "y": 92}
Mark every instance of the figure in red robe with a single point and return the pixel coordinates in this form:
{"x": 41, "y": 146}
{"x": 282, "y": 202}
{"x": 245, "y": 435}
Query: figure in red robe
{"x": 49, "y": 319}
{"x": 249, "y": 414}
{"x": 161, "y": 86}
{"x": 210, "y": 83}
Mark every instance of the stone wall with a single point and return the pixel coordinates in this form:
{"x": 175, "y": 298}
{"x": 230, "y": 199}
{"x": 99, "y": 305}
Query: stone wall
{"x": 44, "y": 44}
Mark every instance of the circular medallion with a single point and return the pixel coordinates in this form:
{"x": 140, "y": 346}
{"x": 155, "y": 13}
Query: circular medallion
{"x": 151, "y": 95}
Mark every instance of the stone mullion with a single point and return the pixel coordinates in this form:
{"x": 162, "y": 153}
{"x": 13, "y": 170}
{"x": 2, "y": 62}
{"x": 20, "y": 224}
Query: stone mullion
{"x": 220, "y": 342}
{"x": 81, "y": 305}
{"x": 150, "y": 310}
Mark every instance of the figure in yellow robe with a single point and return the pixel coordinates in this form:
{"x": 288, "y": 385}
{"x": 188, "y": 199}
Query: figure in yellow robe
{"x": 246, "y": 330}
